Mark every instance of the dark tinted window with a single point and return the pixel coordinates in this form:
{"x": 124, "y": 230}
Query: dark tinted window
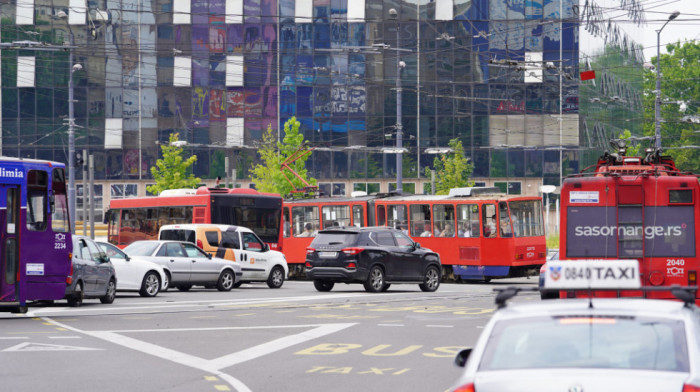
{"x": 383, "y": 238}
{"x": 334, "y": 239}
{"x": 178, "y": 235}
{"x": 212, "y": 237}
{"x": 229, "y": 239}
{"x": 680, "y": 196}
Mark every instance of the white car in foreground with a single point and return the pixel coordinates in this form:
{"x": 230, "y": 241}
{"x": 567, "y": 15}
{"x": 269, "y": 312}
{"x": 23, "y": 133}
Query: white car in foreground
{"x": 134, "y": 274}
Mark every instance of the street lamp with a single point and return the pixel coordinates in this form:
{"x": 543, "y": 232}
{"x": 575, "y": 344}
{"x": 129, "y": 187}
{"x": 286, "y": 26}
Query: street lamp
{"x": 394, "y": 15}
{"x": 71, "y": 126}
{"x": 657, "y": 102}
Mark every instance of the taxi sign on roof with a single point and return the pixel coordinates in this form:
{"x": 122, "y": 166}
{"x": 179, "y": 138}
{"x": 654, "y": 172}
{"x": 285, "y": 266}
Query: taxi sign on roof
{"x": 592, "y": 274}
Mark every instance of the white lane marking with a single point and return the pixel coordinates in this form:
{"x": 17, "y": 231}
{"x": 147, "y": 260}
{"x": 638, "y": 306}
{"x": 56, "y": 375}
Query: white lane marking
{"x": 200, "y": 329}
{"x": 14, "y": 338}
{"x": 390, "y": 325}
{"x": 440, "y": 326}
{"x": 200, "y": 303}
{"x": 29, "y": 346}
{"x": 64, "y": 337}
{"x": 276, "y": 345}
{"x": 211, "y": 366}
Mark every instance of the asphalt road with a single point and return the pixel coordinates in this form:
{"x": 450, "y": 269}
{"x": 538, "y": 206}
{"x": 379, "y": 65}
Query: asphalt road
{"x": 250, "y": 339}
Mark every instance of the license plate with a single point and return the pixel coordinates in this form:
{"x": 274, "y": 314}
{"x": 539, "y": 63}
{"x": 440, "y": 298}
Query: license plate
{"x": 327, "y": 254}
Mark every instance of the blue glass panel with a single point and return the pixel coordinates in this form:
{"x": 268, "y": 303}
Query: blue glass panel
{"x": 305, "y": 71}
{"x": 339, "y": 131}
{"x": 570, "y": 38}
{"x": 200, "y": 11}
{"x": 288, "y": 70}
{"x": 479, "y": 10}
{"x": 287, "y": 36}
{"x": 217, "y": 7}
{"x": 304, "y": 35}
{"x": 322, "y": 35}
{"x": 251, "y": 10}
{"x": 200, "y": 72}
{"x": 356, "y": 34}
{"x": 339, "y": 34}
{"x": 533, "y": 9}
{"x": 339, "y": 100}
{"x": 357, "y": 101}
{"x": 322, "y": 69}
{"x": 304, "y": 101}
{"x": 268, "y": 11}
{"x": 287, "y": 11}
{"x": 339, "y": 9}
{"x": 200, "y": 37}
{"x": 322, "y": 102}
{"x": 217, "y": 76}
{"x": 235, "y": 40}
{"x": 533, "y": 37}
{"x": 288, "y": 101}
{"x": 356, "y": 69}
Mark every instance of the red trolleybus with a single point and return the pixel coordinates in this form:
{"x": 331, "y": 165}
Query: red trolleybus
{"x": 634, "y": 208}
{"x": 140, "y": 218}
{"x": 35, "y": 239}
{"x": 480, "y": 234}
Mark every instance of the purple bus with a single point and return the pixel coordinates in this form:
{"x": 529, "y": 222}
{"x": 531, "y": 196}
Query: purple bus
{"x": 35, "y": 238}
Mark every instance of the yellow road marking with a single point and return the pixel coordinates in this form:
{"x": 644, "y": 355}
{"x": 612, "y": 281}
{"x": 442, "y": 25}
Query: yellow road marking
{"x": 211, "y": 378}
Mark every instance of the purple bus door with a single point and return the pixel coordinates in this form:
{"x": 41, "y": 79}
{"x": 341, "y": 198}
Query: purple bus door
{"x": 9, "y": 244}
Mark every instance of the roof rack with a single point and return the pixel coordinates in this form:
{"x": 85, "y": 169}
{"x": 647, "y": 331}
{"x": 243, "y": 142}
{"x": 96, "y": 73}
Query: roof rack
{"x": 687, "y": 294}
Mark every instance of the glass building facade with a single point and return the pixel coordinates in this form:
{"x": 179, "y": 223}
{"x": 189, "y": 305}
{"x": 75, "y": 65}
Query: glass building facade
{"x": 500, "y": 75}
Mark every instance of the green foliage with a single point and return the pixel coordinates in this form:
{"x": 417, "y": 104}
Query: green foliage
{"x": 268, "y": 175}
{"x": 632, "y": 148}
{"x": 173, "y": 171}
{"x": 680, "y": 71}
{"x": 452, "y": 170}
{"x": 553, "y": 242}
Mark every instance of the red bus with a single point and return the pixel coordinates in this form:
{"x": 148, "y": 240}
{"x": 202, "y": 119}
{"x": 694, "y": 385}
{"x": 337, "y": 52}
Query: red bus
{"x": 480, "y": 233}
{"x": 140, "y": 218}
{"x": 634, "y": 208}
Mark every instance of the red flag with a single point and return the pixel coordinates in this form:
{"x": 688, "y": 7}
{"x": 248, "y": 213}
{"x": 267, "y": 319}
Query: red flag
{"x": 587, "y": 75}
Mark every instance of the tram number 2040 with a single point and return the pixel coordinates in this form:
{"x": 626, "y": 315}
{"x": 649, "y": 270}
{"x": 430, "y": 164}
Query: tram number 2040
{"x": 675, "y": 262}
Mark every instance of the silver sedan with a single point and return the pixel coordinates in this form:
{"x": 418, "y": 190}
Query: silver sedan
{"x": 187, "y": 264}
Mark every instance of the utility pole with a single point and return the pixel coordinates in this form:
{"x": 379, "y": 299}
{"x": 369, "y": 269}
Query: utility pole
{"x": 393, "y": 14}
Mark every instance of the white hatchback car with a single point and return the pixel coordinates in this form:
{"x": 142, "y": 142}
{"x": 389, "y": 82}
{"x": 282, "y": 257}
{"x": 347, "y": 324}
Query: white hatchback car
{"x": 136, "y": 274}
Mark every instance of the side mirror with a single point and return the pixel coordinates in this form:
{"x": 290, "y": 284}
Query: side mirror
{"x": 127, "y": 257}
{"x": 265, "y": 248}
{"x": 417, "y": 245}
{"x": 209, "y": 256}
{"x": 462, "y": 356}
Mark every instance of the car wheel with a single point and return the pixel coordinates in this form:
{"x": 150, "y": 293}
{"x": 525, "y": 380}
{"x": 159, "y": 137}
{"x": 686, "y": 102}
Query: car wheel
{"x": 111, "y": 292}
{"x": 276, "y": 278}
{"x": 323, "y": 285}
{"x": 76, "y": 299}
{"x": 184, "y": 287}
{"x": 226, "y": 280}
{"x": 375, "y": 280}
{"x": 237, "y": 284}
{"x": 431, "y": 280}
{"x": 386, "y": 287}
{"x": 150, "y": 285}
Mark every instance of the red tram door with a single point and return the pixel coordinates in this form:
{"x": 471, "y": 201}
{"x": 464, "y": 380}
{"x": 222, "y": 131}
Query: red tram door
{"x": 9, "y": 245}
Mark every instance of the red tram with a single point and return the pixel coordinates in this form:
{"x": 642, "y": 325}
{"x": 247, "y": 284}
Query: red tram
{"x": 634, "y": 208}
{"x": 480, "y": 233}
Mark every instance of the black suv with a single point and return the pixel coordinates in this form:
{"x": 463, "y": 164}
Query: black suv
{"x": 374, "y": 256}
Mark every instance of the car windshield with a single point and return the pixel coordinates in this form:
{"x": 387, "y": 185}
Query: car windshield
{"x": 141, "y": 248}
{"x": 334, "y": 239}
{"x": 587, "y": 342}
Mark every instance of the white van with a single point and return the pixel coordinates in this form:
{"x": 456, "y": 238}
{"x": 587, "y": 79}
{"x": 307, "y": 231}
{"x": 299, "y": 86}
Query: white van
{"x": 237, "y": 244}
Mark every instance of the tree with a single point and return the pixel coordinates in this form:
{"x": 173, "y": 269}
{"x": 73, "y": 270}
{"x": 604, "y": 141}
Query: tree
{"x": 632, "y": 148}
{"x": 268, "y": 175}
{"x": 452, "y": 170}
{"x": 173, "y": 171}
{"x": 680, "y": 71}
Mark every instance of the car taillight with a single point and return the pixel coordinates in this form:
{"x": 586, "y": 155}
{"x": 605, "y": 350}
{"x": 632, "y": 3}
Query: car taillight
{"x": 690, "y": 388}
{"x": 199, "y": 243}
{"x": 307, "y": 265}
{"x": 353, "y": 251}
{"x": 656, "y": 278}
{"x": 310, "y": 251}
{"x": 468, "y": 388}
{"x": 519, "y": 256}
{"x": 542, "y": 254}
{"x": 351, "y": 265}
{"x": 692, "y": 278}
{"x": 69, "y": 278}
